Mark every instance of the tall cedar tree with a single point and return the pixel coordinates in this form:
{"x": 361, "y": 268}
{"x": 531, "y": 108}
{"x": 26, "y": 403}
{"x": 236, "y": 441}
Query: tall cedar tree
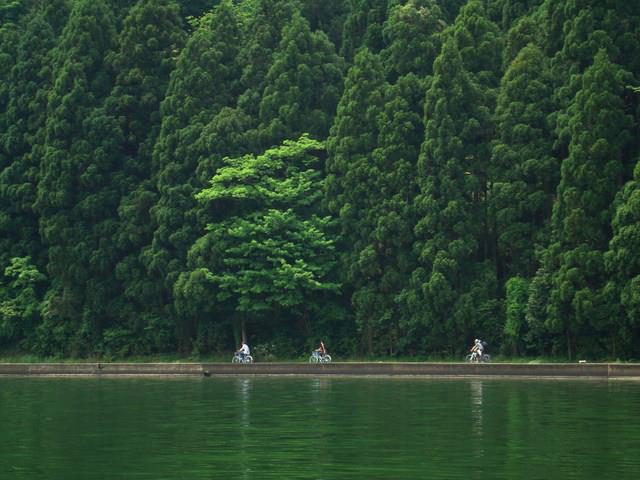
{"x": 412, "y": 40}
{"x": 450, "y": 288}
{"x": 623, "y": 266}
{"x": 202, "y": 83}
{"x": 21, "y": 143}
{"x": 13, "y": 325}
{"x": 525, "y": 174}
{"x": 152, "y": 36}
{"x": 303, "y": 86}
{"x": 385, "y": 259}
{"x": 591, "y": 175}
{"x": 479, "y": 42}
{"x": 9, "y": 39}
{"x": 591, "y": 25}
{"x": 264, "y": 34}
{"x": 226, "y": 132}
{"x": 75, "y": 197}
{"x": 574, "y": 31}
{"x": 353, "y": 178}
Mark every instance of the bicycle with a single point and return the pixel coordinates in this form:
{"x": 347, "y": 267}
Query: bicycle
{"x": 237, "y": 358}
{"x": 474, "y": 357}
{"x": 317, "y": 357}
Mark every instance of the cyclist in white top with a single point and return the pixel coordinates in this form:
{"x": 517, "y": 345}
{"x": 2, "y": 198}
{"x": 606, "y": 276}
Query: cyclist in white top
{"x": 478, "y": 348}
{"x": 244, "y": 350}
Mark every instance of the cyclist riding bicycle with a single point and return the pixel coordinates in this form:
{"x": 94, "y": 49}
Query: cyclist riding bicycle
{"x": 243, "y": 351}
{"x": 478, "y": 348}
{"x": 320, "y": 355}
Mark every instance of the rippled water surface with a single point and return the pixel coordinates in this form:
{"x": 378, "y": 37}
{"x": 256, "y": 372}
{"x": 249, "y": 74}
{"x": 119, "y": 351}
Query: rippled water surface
{"x": 318, "y": 428}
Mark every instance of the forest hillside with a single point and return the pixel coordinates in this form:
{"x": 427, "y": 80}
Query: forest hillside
{"x": 395, "y": 177}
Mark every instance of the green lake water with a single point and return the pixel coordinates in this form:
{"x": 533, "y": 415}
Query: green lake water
{"x": 318, "y": 428}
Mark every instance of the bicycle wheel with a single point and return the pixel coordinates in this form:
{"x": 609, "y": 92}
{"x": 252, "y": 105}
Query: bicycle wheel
{"x": 486, "y": 358}
{"x": 313, "y": 359}
{"x": 235, "y": 359}
{"x": 248, "y": 359}
{"x": 326, "y": 358}
{"x": 469, "y": 358}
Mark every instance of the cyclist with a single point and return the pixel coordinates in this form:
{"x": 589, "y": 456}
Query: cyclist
{"x": 243, "y": 351}
{"x": 321, "y": 350}
{"x": 478, "y": 349}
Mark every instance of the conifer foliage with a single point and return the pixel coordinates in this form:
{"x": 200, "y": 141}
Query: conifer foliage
{"x": 76, "y": 197}
{"x": 600, "y": 134}
{"x": 150, "y": 41}
{"x": 397, "y": 177}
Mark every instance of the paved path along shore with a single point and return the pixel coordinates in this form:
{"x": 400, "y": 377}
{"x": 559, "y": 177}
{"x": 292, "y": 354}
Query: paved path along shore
{"x": 545, "y": 370}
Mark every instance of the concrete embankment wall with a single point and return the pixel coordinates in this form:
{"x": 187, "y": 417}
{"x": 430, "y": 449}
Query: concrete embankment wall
{"x": 548, "y": 370}
{"x": 100, "y": 368}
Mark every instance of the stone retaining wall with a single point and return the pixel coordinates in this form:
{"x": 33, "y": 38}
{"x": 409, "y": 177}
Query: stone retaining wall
{"x": 551, "y": 370}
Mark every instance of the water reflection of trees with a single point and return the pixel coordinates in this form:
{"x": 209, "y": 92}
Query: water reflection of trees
{"x": 476, "y": 406}
{"x": 477, "y": 418}
{"x": 243, "y": 394}
{"x": 321, "y": 424}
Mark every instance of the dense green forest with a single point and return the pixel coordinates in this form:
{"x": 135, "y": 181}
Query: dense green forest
{"x": 396, "y": 177}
